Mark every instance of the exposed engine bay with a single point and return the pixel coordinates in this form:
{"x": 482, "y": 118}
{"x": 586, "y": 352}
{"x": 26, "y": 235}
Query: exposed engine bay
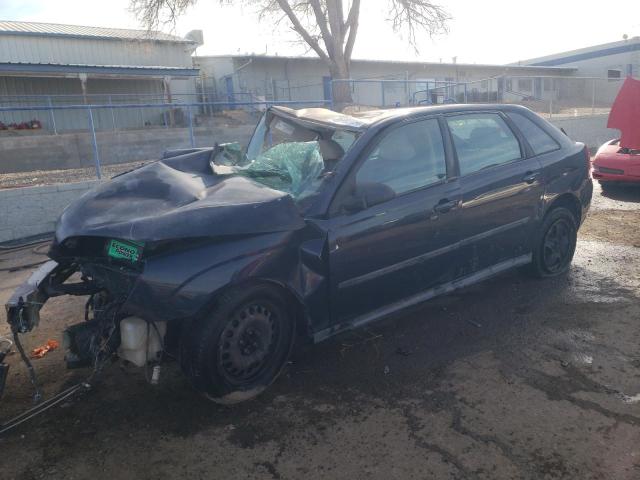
{"x": 106, "y": 329}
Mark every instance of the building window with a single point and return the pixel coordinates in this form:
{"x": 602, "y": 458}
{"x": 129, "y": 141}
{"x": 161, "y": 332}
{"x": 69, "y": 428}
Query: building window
{"x": 548, "y": 84}
{"x": 525, "y": 84}
{"x": 614, "y": 74}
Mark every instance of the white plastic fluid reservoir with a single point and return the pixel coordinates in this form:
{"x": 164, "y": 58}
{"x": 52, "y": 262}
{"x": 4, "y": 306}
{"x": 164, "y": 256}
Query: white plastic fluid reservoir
{"x": 140, "y": 341}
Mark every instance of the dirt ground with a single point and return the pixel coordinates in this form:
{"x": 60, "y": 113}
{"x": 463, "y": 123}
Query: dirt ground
{"x": 513, "y": 378}
{"x": 70, "y": 175}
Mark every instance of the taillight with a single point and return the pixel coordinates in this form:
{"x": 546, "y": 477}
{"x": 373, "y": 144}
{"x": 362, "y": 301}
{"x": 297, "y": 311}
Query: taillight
{"x": 588, "y": 160}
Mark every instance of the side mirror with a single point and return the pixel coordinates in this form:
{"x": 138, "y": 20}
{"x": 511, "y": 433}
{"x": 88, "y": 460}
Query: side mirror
{"x": 367, "y": 195}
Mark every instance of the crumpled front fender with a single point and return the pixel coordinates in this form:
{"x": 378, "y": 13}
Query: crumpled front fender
{"x": 23, "y": 307}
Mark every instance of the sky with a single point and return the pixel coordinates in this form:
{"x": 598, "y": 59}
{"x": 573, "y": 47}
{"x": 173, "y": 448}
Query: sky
{"x": 487, "y": 31}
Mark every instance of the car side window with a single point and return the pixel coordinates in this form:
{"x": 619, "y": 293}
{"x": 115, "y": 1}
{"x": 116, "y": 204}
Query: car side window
{"x": 540, "y": 141}
{"x": 482, "y": 140}
{"x": 407, "y": 158}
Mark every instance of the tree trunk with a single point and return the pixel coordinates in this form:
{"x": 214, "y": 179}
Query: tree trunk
{"x": 341, "y": 91}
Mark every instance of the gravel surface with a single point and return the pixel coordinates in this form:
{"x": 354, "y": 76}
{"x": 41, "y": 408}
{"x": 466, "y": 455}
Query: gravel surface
{"x": 52, "y": 177}
{"x": 512, "y": 378}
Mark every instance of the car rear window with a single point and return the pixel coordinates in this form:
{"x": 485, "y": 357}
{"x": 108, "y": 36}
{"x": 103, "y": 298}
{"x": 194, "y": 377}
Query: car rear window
{"x": 540, "y": 141}
{"x": 482, "y": 140}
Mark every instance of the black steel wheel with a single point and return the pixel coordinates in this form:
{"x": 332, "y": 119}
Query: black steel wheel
{"x": 238, "y": 350}
{"x": 556, "y": 244}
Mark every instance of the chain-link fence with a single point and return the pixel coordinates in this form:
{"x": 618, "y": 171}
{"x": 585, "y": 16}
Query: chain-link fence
{"x": 63, "y": 138}
{"x": 548, "y": 96}
{"x": 61, "y": 113}
{"x": 65, "y": 141}
{"x": 579, "y": 105}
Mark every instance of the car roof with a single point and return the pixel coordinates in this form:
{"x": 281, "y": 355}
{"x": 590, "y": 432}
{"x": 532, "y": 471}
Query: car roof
{"x": 363, "y": 120}
{"x": 322, "y": 116}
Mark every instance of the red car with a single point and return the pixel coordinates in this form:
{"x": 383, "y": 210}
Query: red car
{"x": 618, "y": 161}
{"x": 615, "y": 164}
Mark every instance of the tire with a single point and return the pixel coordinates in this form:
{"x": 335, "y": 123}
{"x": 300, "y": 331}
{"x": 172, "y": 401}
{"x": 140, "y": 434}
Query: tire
{"x": 240, "y": 348}
{"x": 555, "y": 245}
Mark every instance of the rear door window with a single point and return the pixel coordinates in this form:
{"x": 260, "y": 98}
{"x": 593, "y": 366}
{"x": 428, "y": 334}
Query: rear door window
{"x": 482, "y": 140}
{"x": 540, "y": 141}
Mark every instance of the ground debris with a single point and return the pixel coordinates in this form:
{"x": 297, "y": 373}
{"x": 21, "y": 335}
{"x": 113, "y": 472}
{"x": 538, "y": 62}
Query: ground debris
{"x": 42, "y": 350}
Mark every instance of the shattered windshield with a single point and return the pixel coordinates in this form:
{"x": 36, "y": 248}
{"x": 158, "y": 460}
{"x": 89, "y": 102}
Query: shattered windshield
{"x": 287, "y": 156}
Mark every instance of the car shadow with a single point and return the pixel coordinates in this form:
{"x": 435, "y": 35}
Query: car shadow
{"x": 624, "y": 193}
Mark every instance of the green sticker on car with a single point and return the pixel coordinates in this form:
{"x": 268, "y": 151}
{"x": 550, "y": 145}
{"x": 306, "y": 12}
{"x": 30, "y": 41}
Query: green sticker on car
{"x": 120, "y": 250}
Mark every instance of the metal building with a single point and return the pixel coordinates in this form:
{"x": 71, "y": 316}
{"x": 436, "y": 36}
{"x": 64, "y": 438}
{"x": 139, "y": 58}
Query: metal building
{"x": 277, "y": 78}
{"x": 614, "y": 60}
{"x": 68, "y": 64}
{"x": 607, "y": 64}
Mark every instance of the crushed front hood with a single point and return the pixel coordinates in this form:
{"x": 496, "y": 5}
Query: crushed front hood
{"x": 178, "y": 197}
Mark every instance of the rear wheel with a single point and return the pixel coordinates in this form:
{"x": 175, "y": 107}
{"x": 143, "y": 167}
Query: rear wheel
{"x": 556, "y": 244}
{"x": 241, "y": 347}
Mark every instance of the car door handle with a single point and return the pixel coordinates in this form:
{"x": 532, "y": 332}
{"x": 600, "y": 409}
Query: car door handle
{"x": 445, "y": 206}
{"x": 530, "y": 177}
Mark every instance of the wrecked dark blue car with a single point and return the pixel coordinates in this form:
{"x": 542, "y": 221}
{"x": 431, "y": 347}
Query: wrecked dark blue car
{"x": 325, "y": 222}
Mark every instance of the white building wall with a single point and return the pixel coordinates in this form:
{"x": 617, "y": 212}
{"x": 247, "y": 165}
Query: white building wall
{"x": 599, "y": 67}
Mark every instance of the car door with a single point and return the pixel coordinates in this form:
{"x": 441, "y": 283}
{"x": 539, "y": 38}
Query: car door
{"x": 382, "y": 255}
{"x": 501, "y": 188}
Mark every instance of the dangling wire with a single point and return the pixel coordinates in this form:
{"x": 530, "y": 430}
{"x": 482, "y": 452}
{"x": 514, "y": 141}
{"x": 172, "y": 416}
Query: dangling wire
{"x": 37, "y": 394}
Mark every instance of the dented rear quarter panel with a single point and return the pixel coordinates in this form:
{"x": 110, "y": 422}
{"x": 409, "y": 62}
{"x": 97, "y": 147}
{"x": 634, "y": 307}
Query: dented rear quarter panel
{"x": 567, "y": 176}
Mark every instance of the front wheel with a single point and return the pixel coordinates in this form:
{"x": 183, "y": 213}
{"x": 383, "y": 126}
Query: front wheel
{"x": 556, "y": 244}
{"x": 239, "y": 349}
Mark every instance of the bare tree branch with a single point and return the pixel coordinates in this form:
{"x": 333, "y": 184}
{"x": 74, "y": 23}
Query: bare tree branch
{"x": 321, "y": 20}
{"x": 297, "y": 26}
{"x": 352, "y": 25}
{"x": 340, "y": 9}
{"x": 412, "y": 15}
{"x": 154, "y": 13}
{"x": 335, "y": 24}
